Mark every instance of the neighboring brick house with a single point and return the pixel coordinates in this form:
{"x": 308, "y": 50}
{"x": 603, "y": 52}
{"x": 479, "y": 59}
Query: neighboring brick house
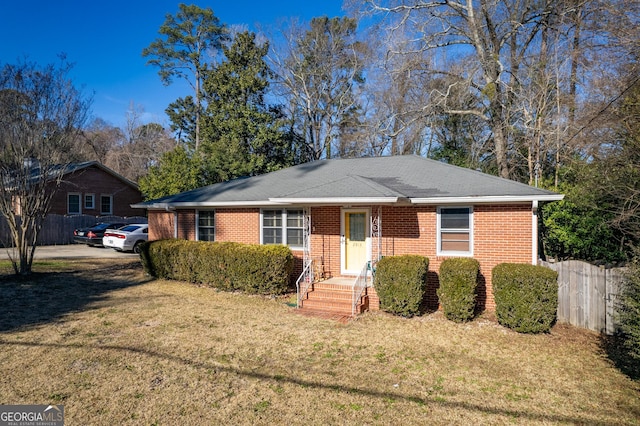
{"x": 93, "y": 189}
{"x": 340, "y": 216}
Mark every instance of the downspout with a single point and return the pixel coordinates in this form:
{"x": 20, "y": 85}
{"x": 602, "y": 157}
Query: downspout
{"x": 534, "y": 232}
{"x": 175, "y": 224}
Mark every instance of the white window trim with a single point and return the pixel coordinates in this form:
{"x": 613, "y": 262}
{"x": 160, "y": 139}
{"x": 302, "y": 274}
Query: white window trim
{"x": 110, "y": 204}
{"x": 439, "y": 234}
{"x": 284, "y": 226}
{"x": 79, "y": 203}
{"x": 198, "y": 224}
{"x": 93, "y": 201}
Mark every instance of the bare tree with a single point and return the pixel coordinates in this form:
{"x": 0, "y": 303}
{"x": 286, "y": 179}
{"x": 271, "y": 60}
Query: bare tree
{"x": 397, "y": 98}
{"x": 139, "y": 146}
{"x": 98, "y": 140}
{"x": 493, "y": 36}
{"x": 41, "y": 116}
{"x": 318, "y": 75}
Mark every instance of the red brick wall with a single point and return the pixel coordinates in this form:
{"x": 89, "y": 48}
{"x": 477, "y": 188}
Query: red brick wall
{"x": 93, "y": 180}
{"x": 238, "y": 225}
{"x": 501, "y": 233}
{"x": 186, "y": 224}
{"x": 161, "y": 225}
{"x": 325, "y": 239}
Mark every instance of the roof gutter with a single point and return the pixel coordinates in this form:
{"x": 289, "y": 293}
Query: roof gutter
{"x": 172, "y": 206}
{"x": 337, "y": 200}
{"x": 493, "y": 199}
{"x": 272, "y": 202}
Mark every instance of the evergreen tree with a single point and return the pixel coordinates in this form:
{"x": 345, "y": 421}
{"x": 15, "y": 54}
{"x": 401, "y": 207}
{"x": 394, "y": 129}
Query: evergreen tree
{"x": 183, "y": 113}
{"x": 177, "y": 171}
{"x": 242, "y": 135}
{"x": 184, "y": 48}
{"x": 628, "y": 311}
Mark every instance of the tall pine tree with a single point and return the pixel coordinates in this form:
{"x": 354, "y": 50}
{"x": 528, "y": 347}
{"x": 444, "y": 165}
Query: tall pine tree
{"x": 242, "y": 135}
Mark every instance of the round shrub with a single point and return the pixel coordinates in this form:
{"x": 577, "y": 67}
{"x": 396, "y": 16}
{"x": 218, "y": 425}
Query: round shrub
{"x": 457, "y": 290}
{"x": 526, "y": 297}
{"x": 400, "y": 282}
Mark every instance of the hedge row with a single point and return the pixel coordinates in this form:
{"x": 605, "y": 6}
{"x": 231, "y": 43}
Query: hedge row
{"x": 400, "y": 282}
{"x": 526, "y": 296}
{"x": 254, "y": 269}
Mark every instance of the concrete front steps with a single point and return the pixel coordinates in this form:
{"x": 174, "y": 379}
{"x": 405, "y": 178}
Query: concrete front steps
{"x": 334, "y": 297}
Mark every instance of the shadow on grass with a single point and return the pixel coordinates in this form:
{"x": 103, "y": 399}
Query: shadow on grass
{"x": 373, "y": 392}
{"x": 45, "y": 297}
{"x": 613, "y": 346}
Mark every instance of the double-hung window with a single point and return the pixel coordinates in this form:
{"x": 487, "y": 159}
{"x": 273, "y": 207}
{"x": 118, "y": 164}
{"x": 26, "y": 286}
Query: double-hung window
{"x": 73, "y": 203}
{"x": 106, "y": 204}
{"x": 295, "y": 228}
{"x": 206, "y": 225}
{"x": 455, "y": 231}
{"x": 282, "y": 227}
{"x": 89, "y": 202}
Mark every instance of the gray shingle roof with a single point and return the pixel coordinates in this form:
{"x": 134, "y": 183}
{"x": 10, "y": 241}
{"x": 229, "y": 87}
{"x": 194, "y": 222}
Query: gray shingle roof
{"x": 52, "y": 171}
{"x": 359, "y": 180}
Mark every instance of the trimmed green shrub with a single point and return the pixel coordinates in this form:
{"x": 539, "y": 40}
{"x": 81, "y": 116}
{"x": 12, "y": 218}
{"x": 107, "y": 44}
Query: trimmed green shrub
{"x": 628, "y": 312}
{"x": 401, "y": 282}
{"x": 526, "y": 297}
{"x": 254, "y": 269}
{"x": 457, "y": 290}
{"x": 145, "y": 259}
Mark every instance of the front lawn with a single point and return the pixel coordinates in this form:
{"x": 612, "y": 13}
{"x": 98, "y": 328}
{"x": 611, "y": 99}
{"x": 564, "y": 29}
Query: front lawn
{"x": 115, "y": 347}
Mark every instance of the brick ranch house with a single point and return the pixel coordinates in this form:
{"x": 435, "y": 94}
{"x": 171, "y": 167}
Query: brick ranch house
{"x": 340, "y": 216}
{"x": 93, "y": 189}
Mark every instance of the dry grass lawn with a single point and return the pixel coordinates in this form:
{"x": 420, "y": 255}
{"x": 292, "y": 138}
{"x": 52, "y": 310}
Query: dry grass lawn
{"x": 115, "y": 347}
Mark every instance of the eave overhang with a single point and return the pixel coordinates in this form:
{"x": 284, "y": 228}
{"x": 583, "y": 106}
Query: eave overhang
{"x": 338, "y": 201}
{"x": 351, "y": 201}
{"x": 196, "y": 205}
{"x": 492, "y": 199}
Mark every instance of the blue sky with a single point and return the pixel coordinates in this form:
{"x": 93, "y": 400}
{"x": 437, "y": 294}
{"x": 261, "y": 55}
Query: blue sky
{"x": 104, "y": 40}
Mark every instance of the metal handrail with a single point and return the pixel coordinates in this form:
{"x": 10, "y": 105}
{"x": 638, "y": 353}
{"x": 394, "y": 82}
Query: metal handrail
{"x": 306, "y": 278}
{"x": 359, "y": 284}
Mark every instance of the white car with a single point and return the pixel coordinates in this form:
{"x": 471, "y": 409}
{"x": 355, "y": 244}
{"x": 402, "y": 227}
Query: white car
{"x": 127, "y": 238}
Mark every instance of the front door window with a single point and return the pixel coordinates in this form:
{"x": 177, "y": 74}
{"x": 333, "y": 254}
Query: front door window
{"x": 355, "y": 228}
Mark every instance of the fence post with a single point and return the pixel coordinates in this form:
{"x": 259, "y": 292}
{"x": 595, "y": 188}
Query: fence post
{"x": 615, "y": 281}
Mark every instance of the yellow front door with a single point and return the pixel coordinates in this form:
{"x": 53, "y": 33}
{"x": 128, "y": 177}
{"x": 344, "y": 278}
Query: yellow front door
{"x": 355, "y": 249}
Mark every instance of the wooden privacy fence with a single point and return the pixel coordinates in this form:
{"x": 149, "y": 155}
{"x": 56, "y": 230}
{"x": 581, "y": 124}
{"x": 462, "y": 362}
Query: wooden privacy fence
{"x": 58, "y": 229}
{"x": 587, "y": 294}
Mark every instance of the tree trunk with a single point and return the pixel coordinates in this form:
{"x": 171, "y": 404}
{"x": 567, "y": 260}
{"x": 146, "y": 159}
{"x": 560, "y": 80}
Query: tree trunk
{"x": 198, "y": 107}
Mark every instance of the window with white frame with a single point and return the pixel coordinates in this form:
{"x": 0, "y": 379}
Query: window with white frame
{"x": 89, "y": 201}
{"x": 455, "y": 231}
{"x": 106, "y": 204}
{"x": 206, "y": 225}
{"x": 295, "y": 227}
{"x": 282, "y": 227}
{"x": 73, "y": 203}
